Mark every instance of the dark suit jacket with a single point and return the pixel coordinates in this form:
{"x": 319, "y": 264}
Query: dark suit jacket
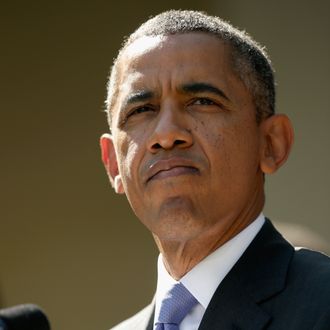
{"x": 272, "y": 287}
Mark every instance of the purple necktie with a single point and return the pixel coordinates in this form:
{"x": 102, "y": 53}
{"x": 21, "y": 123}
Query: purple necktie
{"x": 176, "y": 305}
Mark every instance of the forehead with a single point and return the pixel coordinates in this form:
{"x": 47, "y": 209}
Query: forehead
{"x": 194, "y": 51}
{"x": 160, "y": 63}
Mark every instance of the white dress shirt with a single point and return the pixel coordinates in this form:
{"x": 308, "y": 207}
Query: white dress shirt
{"x": 203, "y": 280}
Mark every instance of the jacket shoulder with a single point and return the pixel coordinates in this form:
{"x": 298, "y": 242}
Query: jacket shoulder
{"x": 311, "y": 264}
{"x": 311, "y": 269}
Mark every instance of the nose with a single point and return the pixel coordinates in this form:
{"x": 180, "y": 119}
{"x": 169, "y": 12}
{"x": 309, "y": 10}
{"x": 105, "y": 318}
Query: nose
{"x": 171, "y": 131}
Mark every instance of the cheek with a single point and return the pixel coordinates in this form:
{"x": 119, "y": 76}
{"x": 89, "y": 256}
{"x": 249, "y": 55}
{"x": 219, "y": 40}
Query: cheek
{"x": 208, "y": 133}
{"x": 232, "y": 149}
{"x": 128, "y": 161}
{"x": 129, "y": 154}
{"x": 242, "y": 151}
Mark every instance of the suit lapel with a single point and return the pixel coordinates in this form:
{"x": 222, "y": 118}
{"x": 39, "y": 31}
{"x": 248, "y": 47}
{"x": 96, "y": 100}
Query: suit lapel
{"x": 231, "y": 310}
{"x": 257, "y": 276}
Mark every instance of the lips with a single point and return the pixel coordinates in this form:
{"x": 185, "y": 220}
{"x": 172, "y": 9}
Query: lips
{"x": 165, "y": 168}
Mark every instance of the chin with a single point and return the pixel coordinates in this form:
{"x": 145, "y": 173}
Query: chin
{"x": 178, "y": 235}
{"x": 179, "y": 227}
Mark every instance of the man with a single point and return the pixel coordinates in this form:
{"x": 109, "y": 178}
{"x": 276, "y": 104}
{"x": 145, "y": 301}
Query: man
{"x": 193, "y": 133}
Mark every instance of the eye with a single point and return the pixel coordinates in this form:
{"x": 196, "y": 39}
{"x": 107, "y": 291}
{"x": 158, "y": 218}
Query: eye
{"x": 203, "y": 101}
{"x": 207, "y": 104}
{"x": 139, "y": 110}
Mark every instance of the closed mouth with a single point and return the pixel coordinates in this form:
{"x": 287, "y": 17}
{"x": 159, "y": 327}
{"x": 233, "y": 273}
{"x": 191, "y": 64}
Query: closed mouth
{"x": 165, "y": 168}
{"x": 174, "y": 171}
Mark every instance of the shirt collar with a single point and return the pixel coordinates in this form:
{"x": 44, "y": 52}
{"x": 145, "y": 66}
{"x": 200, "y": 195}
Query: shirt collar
{"x": 205, "y": 277}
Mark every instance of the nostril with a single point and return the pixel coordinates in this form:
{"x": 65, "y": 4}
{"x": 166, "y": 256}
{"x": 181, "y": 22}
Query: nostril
{"x": 171, "y": 136}
{"x": 160, "y": 145}
{"x": 178, "y": 142}
{"x": 156, "y": 146}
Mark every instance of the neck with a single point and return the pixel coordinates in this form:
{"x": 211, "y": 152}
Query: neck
{"x": 180, "y": 257}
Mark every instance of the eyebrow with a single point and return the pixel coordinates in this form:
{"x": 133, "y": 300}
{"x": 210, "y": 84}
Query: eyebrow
{"x": 139, "y": 96}
{"x": 192, "y": 88}
{"x": 201, "y": 87}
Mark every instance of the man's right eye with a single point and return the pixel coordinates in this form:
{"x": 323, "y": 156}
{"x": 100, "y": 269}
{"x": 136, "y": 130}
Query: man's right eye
{"x": 140, "y": 110}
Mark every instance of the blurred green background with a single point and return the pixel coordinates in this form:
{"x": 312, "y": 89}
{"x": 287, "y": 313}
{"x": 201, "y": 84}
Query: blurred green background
{"x": 67, "y": 242}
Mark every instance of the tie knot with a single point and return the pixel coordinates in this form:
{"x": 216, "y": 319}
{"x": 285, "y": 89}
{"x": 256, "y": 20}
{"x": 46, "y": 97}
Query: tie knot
{"x": 176, "y": 305}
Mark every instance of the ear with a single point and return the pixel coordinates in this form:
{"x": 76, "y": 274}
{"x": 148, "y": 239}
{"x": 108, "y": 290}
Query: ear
{"x": 277, "y": 139}
{"x": 109, "y": 159}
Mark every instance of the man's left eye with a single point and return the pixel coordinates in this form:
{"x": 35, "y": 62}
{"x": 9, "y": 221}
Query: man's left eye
{"x": 203, "y": 101}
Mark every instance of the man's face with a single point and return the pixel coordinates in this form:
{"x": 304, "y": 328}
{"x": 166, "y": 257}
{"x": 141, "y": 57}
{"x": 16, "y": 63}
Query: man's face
{"x": 185, "y": 136}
